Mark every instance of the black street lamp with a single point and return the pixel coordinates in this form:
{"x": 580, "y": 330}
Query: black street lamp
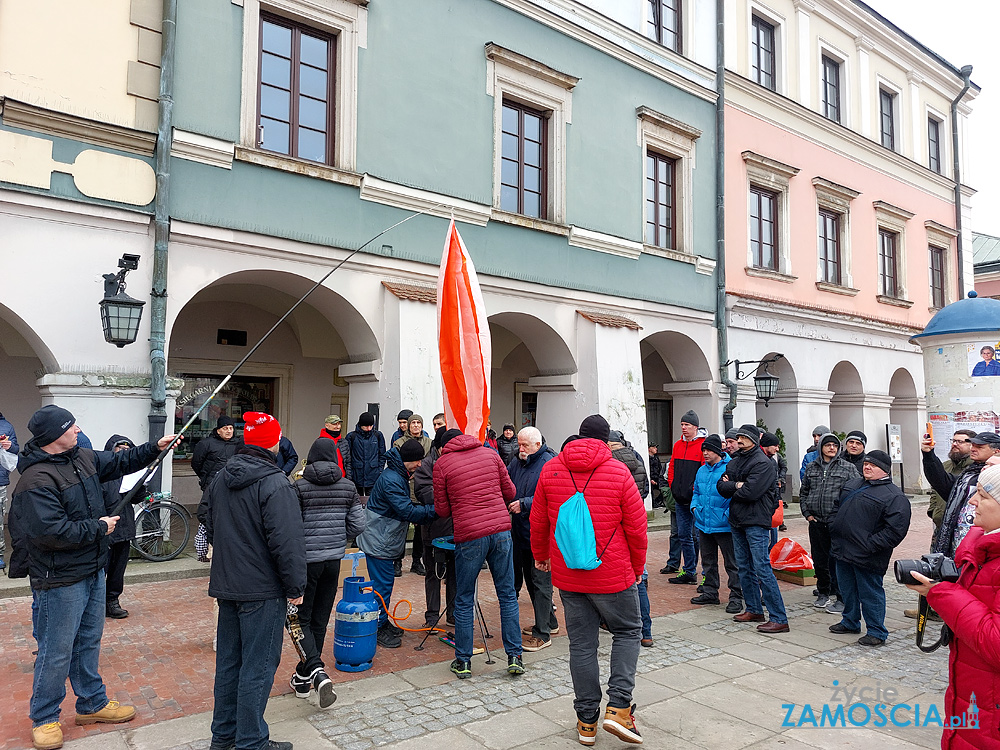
{"x": 765, "y": 383}
{"x": 120, "y": 314}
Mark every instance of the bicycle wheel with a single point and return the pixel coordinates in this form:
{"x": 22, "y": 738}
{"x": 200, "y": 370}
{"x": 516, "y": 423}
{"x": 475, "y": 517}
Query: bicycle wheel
{"x": 162, "y": 531}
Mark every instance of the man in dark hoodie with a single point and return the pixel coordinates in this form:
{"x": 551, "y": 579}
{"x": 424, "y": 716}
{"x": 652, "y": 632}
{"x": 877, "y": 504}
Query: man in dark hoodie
{"x": 854, "y": 449}
{"x": 59, "y": 527}
{"x": 210, "y": 455}
{"x": 367, "y": 448}
{"x": 258, "y": 568}
{"x": 120, "y": 539}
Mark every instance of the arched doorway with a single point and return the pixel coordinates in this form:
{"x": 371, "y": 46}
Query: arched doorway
{"x": 906, "y": 411}
{"x": 676, "y": 377}
{"x": 847, "y": 404}
{"x": 23, "y": 359}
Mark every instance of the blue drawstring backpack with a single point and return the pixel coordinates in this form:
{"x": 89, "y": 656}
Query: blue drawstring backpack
{"x": 575, "y": 531}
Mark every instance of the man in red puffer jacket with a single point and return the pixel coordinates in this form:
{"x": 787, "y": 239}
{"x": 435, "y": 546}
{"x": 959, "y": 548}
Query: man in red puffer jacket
{"x": 607, "y": 593}
{"x": 472, "y": 485}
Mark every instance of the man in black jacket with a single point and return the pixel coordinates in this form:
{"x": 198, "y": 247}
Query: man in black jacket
{"x": 120, "y": 539}
{"x": 59, "y": 524}
{"x": 750, "y": 482}
{"x": 254, "y": 523}
{"x": 871, "y": 520}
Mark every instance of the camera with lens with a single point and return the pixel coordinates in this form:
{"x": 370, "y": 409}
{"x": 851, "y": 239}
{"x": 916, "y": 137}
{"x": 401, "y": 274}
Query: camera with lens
{"x": 935, "y": 566}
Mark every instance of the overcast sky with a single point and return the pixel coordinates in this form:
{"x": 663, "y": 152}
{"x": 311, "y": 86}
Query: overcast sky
{"x": 963, "y": 32}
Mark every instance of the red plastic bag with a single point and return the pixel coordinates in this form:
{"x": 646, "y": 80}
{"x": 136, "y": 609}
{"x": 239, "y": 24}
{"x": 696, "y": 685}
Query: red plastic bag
{"x": 779, "y": 516}
{"x": 788, "y": 554}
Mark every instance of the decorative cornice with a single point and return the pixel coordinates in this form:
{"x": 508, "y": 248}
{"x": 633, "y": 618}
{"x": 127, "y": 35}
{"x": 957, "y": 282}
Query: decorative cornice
{"x": 202, "y": 149}
{"x": 41, "y": 120}
{"x": 934, "y": 228}
{"x": 886, "y": 300}
{"x": 767, "y": 273}
{"x": 769, "y": 303}
{"x": 297, "y": 166}
{"x": 610, "y": 320}
{"x": 767, "y": 164}
{"x": 825, "y": 286}
{"x": 834, "y": 189}
{"x": 670, "y": 254}
{"x": 901, "y": 214}
{"x": 604, "y": 243}
{"x": 520, "y": 62}
{"x": 704, "y": 266}
{"x": 666, "y": 121}
{"x": 415, "y": 199}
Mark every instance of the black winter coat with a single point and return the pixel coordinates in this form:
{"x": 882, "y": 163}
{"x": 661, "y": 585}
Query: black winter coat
{"x": 125, "y": 528}
{"x": 507, "y": 449}
{"x": 524, "y": 475}
{"x": 367, "y": 457}
{"x": 254, "y": 521}
{"x": 871, "y": 520}
{"x": 754, "y": 503}
{"x": 288, "y": 459}
{"x": 211, "y": 454}
{"x": 55, "y": 510}
{"x": 423, "y": 491}
{"x": 331, "y": 511}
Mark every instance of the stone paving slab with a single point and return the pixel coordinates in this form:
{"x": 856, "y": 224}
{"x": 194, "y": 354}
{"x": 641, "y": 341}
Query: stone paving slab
{"x": 703, "y": 725}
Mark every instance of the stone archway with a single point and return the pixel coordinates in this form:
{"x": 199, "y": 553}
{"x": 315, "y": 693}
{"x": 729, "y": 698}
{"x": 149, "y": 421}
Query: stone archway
{"x": 848, "y": 401}
{"x": 23, "y": 359}
{"x": 907, "y": 410}
{"x": 677, "y": 377}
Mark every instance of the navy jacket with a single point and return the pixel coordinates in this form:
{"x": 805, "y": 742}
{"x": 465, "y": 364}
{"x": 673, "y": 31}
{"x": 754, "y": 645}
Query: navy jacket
{"x": 524, "y": 475}
{"x": 390, "y": 512}
{"x": 55, "y": 510}
{"x": 754, "y": 503}
{"x": 871, "y": 520}
{"x": 6, "y": 428}
{"x": 288, "y": 459}
{"x": 367, "y": 456}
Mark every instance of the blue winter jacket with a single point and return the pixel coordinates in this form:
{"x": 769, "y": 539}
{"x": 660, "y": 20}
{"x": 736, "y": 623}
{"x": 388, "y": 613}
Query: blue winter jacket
{"x": 711, "y": 510}
{"x": 367, "y": 456}
{"x": 6, "y": 428}
{"x": 811, "y": 455}
{"x": 390, "y": 512}
{"x": 524, "y": 475}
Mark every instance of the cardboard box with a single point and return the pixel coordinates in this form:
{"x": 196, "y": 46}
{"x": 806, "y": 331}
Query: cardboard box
{"x": 347, "y": 566}
{"x": 798, "y": 577}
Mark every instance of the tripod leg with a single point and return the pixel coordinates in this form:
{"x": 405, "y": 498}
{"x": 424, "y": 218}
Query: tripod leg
{"x": 482, "y": 628}
{"x": 428, "y": 634}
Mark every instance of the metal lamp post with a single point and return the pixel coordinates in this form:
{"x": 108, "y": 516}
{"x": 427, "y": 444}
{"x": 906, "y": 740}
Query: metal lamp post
{"x": 120, "y": 313}
{"x": 765, "y": 383}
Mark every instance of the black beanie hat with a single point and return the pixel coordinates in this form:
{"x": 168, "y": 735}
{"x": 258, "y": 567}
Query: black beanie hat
{"x": 616, "y": 436}
{"x": 597, "y": 427}
{"x": 713, "y": 443}
{"x": 691, "y": 418}
{"x": 404, "y": 414}
{"x": 829, "y": 438}
{"x": 448, "y": 435}
{"x": 732, "y": 433}
{"x": 768, "y": 439}
{"x": 411, "y": 450}
{"x": 49, "y": 423}
{"x": 750, "y": 432}
{"x": 857, "y": 435}
{"x": 225, "y": 421}
{"x": 508, "y": 427}
{"x": 367, "y": 419}
{"x": 322, "y": 449}
{"x": 880, "y": 459}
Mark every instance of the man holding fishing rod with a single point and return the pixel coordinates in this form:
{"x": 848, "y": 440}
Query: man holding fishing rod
{"x": 59, "y": 525}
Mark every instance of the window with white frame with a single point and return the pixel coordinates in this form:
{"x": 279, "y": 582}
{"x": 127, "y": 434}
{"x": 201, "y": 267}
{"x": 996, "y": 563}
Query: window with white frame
{"x": 888, "y": 116}
{"x": 939, "y": 243}
{"x": 890, "y": 245}
{"x": 299, "y": 87}
{"x": 763, "y": 52}
{"x": 834, "y": 262}
{"x": 668, "y": 151}
{"x": 830, "y": 90}
{"x": 532, "y": 106}
{"x": 768, "y": 248}
{"x": 663, "y": 23}
{"x": 935, "y": 130}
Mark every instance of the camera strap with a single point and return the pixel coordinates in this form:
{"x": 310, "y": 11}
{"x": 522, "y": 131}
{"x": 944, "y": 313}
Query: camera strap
{"x": 944, "y": 639}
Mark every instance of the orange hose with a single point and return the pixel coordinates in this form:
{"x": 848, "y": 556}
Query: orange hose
{"x": 397, "y": 620}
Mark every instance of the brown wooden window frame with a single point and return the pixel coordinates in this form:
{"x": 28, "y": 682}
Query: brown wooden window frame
{"x": 887, "y": 118}
{"x": 294, "y": 90}
{"x": 830, "y": 254}
{"x": 760, "y": 29}
{"x": 659, "y": 233}
{"x": 659, "y": 10}
{"x": 888, "y": 262}
{"x": 937, "y": 276}
{"x": 543, "y": 165}
{"x": 934, "y": 144}
{"x": 757, "y": 197}
{"x": 831, "y": 88}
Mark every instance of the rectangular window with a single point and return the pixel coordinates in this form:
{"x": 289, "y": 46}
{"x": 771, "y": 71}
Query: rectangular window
{"x": 764, "y": 228}
{"x": 887, "y": 118}
{"x": 295, "y": 111}
{"x": 763, "y": 53}
{"x": 523, "y": 161}
{"x": 937, "y": 277}
{"x": 829, "y": 246}
{"x": 888, "y": 262}
{"x": 660, "y": 200}
{"x": 934, "y": 144}
{"x": 664, "y": 23}
{"x": 831, "y": 89}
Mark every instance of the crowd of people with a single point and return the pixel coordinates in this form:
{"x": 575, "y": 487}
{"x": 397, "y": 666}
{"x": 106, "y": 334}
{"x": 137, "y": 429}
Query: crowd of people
{"x": 538, "y": 519}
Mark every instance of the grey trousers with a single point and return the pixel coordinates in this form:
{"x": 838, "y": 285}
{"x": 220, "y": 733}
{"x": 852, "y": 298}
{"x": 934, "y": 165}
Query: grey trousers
{"x": 541, "y": 602}
{"x": 583, "y": 614}
{"x": 711, "y": 544}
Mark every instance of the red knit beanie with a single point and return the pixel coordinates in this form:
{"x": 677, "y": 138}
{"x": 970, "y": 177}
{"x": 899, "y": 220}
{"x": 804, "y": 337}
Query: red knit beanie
{"x": 261, "y": 429}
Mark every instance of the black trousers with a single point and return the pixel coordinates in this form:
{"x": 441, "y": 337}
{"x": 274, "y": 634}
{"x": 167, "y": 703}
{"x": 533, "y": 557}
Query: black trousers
{"x": 524, "y": 563}
{"x": 826, "y": 571}
{"x": 432, "y": 583}
{"x": 322, "y": 579}
{"x": 711, "y": 545}
{"x": 117, "y": 560}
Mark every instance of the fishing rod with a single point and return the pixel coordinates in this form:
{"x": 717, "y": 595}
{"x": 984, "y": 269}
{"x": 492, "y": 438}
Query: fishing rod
{"x": 130, "y": 496}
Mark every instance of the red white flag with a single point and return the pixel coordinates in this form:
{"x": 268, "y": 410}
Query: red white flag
{"x": 463, "y": 340}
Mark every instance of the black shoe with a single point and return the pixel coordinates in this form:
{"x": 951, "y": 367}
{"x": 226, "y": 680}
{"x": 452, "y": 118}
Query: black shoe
{"x": 272, "y": 745}
{"x": 322, "y": 694}
{"x": 114, "y": 610}
{"x": 734, "y": 607}
{"x": 684, "y": 578}
{"x": 418, "y": 568}
{"x": 668, "y": 568}
{"x": 300, "y": 685}
{"x": 782, "y": 528}
{"x": 870, "y": 640}
{"x": 397, "y": 568}
{"x": 840, "y": 629}
{"x": 462, "y": 668}
{"x": 394, "y": 629}
{"x": 706, "y": 599}
{"x": 700, "y": 589}
{"x": 515, "y": 665}
{"x": 387, "y": 639}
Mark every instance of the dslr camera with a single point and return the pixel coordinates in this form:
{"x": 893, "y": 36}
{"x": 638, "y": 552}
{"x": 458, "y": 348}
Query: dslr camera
{"x": 935, "y": 566}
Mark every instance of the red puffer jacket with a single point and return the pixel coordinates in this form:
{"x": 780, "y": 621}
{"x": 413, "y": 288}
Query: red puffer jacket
{"x": 471, "y": 484}
{"x": 971, "y": 608}
{"x": 615, "y": 508}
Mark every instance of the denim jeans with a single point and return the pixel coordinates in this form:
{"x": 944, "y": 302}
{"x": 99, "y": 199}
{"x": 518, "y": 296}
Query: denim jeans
{"x": 685, "y": 529}
{"x": 644, "y": 614}
{"x": 863, "y": 594}
{"x": 249, "y": 649}
{"x": 583, "y": 614}
{"x": 756, "y": 576}
{"x": 469, "y": 556}
{"x": 322, "y": 579}
{"x": 68, "y": 623}
{"x": 383, "y": 578}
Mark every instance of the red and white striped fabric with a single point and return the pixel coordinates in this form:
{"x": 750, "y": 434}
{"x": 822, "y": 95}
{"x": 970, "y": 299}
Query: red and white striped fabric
{"x": 464, "y": 340}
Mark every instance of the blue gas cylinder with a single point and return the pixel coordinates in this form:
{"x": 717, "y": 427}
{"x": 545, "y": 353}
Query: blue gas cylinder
{"x": 356, "y": 626}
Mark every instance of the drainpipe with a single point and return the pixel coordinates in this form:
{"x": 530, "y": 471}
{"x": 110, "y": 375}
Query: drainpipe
{"x": 966, "y": 74}
{"x": 161, "y": 235}
{"x": 720, "y": 212}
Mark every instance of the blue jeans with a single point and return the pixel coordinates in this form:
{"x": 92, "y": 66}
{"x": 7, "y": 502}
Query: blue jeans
{"x": 249, "y": 649}
{"x": 862, "y": 593}
{"x": 685, "y": 529}
{"x": 647, "y": 620}
{"x": 756, "y": 577}
{"x": 383, "y": 576}
{"x": 674, "y": 555}
{"x": 497, "y": 550}
{"x": 68, "y": 623}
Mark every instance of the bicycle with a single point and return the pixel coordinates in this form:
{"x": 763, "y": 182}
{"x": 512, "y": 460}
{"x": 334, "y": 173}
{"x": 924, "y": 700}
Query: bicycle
{"x": 162, "y": 527}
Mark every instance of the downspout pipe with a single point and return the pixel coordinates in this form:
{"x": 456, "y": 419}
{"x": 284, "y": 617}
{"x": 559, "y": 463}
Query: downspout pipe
{"x": 721, "y": 321}
{"x": 966, "y": 74}
{"x": 161, "y": 234}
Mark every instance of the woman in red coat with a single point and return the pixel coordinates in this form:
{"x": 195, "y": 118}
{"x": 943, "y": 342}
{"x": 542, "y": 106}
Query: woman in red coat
{"x": 971, "y": 609}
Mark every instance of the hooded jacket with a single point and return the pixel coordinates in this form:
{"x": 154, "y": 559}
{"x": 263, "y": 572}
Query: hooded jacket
{"x": 6, "y": 428}
{"x": 616, "y": 510}
{"x": 872, "y": 518}
{"x": 711, "y": 510}
{"x": 125, "y": 528}
{"x": 390, "y": 512}
{"x": 524, "y": 474}
{"x": 823, "y": 482}
{"x": 811, "y": 453}
{"x": 56, "y": 536}
{"x": 971, "y": 609}
{"x": 331, "y": 511}
{"x": 211, "y": 454}
{"x": 423, "y": 491}
{"x": 754, "y": 503}
{"x": 343, "y": 454}
{"x": 685, "y": 459}
{"x": 255, "y": 524}
{"x": 367, "y": 451}
{"x": 624, "y": 453}
{"x": 472, "y": 485}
